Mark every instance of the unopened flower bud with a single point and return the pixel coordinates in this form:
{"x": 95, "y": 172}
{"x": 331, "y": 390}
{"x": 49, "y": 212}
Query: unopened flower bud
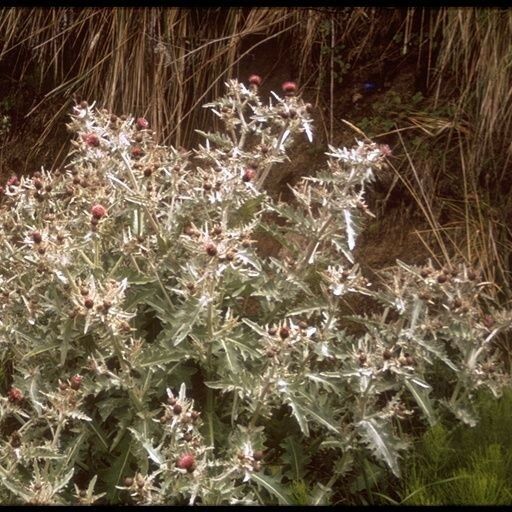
{"x": 142, "y": 123}
{"x": 211, "y": 250}
{"x": 187, "y": 462}
{"x": 15, "y": 395}
{"x": 91, "y": 139}
{"x": 289, "y": 88}
{"x": 255, "y": 80}
{"x": 249, "y": 174}
{"x": 98, "y": 211}
{"x": 75, "y": 382}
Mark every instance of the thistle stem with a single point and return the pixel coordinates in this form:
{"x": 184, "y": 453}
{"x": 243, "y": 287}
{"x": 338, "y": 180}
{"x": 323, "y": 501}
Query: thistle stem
{"x": 209, "y": 366}
{"x": 135, "y": 185}
{"x": 267, "y": 169}
{"x": 161, "y": 284}
{"x": 264, "y": 390}
{"x": 313, "y": 244}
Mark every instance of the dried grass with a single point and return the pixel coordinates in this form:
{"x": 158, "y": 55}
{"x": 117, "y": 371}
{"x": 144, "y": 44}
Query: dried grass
{"x": 159, "y": 62}
{"x": 164, "y": 63}
{"x": 474, "y": 63}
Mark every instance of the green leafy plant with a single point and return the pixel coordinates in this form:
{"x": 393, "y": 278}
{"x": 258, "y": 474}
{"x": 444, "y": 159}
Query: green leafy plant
{"x": 389, "y": 111}
{"x": 464, "y": 465}
{"x": 160, "y": 356}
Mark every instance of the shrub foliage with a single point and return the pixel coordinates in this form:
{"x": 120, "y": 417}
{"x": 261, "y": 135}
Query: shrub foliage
{"x": 153, "y": 353}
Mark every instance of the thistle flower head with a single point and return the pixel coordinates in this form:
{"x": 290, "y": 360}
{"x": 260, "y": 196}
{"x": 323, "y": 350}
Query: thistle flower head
{"x": 98, "y": 211}
{"x": 255, "y": 80}
{"x": 289, "y": 87}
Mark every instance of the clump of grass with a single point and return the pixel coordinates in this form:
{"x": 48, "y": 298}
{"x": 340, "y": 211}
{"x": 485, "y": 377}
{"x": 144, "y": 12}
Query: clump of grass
{"x": 163, "y": 63}
{"x": 471, "y": 71}
{"x": 465, "y": 465}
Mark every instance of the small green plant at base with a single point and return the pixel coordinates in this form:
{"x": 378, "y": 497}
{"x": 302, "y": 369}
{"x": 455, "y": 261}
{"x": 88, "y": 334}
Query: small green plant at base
{"x": 155, "y": 347}
{"x": 464, "y": 465}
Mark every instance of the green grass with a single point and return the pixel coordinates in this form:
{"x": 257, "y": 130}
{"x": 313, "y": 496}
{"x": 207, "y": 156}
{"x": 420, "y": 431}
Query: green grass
{"x": 464, "y": 465}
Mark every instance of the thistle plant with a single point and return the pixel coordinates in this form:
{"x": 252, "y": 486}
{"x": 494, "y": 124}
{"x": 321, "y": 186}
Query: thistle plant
{"x": 158, "y": 355}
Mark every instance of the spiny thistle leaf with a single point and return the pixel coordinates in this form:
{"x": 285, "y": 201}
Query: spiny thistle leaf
{"x": 420, "y": 391}
{"x": 295, "y": 457}
{"x": 381, "y": 442}
{"x": 273, "y": 487}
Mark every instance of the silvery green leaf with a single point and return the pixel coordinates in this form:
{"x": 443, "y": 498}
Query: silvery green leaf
{"x": 294, "y": 456}
{"x": 308, "y": 130}
{"x": 345, "y": 463}
{"x": 90, "y": 490}
{"x": 321, "y": 418}
{"x": 283, "y": 140}
{"x": 245, "y": 347}
{"x": 322, "y": 349}
{"x": 311, "y": 259}
{"x": 124, "y": 140}
{"x": 337, "y": 289}
{"x": 420, "y": 391}
{"x": 43, "y": 452}
{"x": 100, "y": 435}
{"x": 417, "y": 308}
{"x": 66, "y": 330}
{"x": 276, "y": 97}
{"x": 182, "y": 396}
{"x": 321, "y": 495}
{"x": 74, "y": 450}
{"x": 79, "y": 416}
{"x": 60, "y": 276}
{"x": 33, "y": 392}
{"x": 437, "y": 349}
{"x": 273, "y": 487}
{"x": 87, "y": 322}
{"x": 232, "y": 362}
{"x": 350, "y": 373}
{"x": 348, "y": 255}
{"x": 465, "y": 413}
{"x": 399, "y": 305}
{"x": 153, "y": 453}
{"x": 249, "y": 260}
{"x": 224, "y": 385}
{"x": 190, "y": 315}
{"x": 321, "y": 380}
{"x": 60, "y": 484}
{"x": 298, "y": 413}
{"x": 365, "y": 379}
{"x": 381, "y": 442}
{"x": 216, "y": 138}
{"x": 255, "y": 327}
{"x": 92, "y": 483}
{"x": 17, "y": 488}
{"x": 119, "y": 182}
{"x": 160, "y": 358}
